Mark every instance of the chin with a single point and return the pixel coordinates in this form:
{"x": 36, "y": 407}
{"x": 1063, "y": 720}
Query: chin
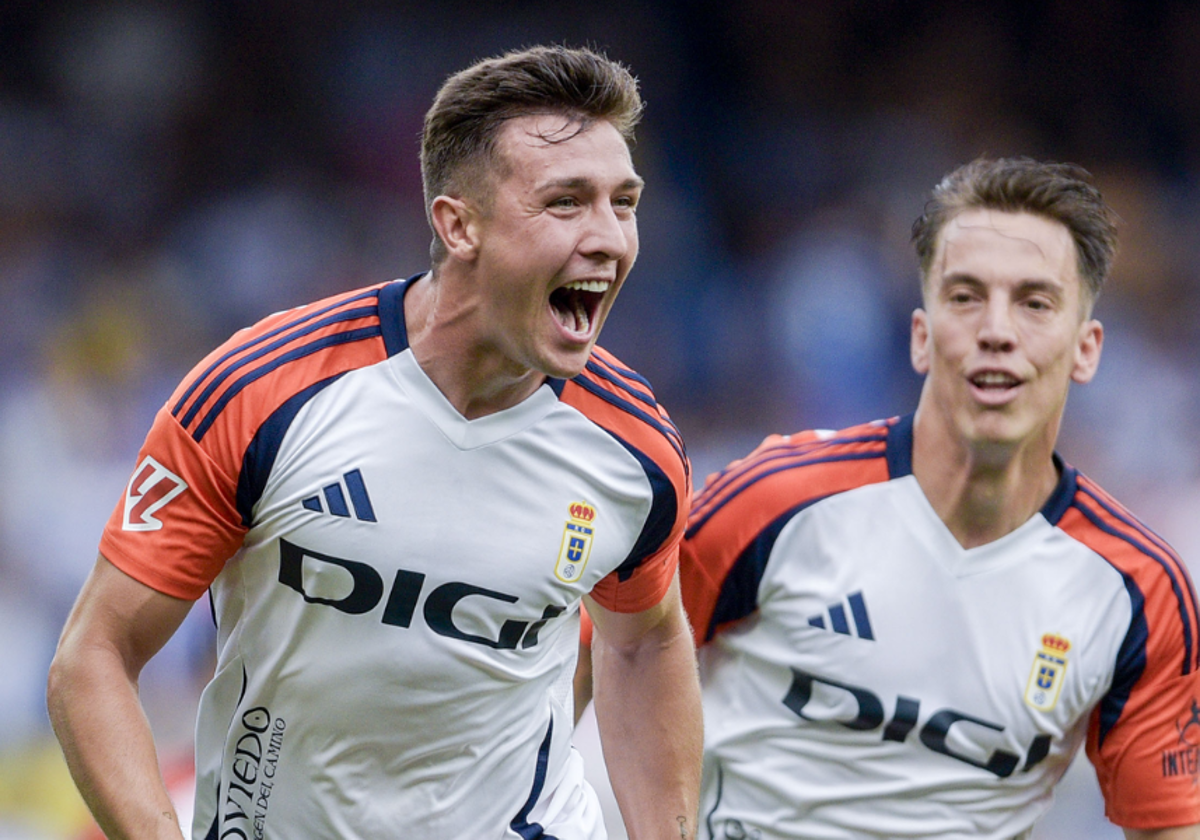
{"x": 566, "y": 366}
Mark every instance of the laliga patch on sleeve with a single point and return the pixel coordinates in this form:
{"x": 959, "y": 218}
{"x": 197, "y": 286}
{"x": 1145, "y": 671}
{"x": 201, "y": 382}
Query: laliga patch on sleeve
{"x": 151, "y": 487}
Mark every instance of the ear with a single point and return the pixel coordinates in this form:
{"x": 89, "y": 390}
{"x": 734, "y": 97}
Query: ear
{"x": 455, "y": 221}
{"x": 1087, "y": 351}
{"x": 918, "y": 346}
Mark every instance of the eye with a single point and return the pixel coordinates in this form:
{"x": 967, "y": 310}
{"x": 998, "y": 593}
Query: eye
{"x": 566, "y": 201}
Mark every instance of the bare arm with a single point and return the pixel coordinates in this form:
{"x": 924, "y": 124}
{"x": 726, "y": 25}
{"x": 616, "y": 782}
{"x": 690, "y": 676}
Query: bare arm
{"x": 1185, "y": 832}
{"x": 583, "y": 680}
{"x": 647, "y": 698}
{"x": 117, "y": 624}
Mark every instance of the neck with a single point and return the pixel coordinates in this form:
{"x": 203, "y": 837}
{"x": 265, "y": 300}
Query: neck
{"x": 981, "y": 491}
{"x": 444, "y": 337}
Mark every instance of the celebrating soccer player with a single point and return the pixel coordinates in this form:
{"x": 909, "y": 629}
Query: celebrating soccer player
{"x": 397, "y": 498}
{"x": 911, "y": 626}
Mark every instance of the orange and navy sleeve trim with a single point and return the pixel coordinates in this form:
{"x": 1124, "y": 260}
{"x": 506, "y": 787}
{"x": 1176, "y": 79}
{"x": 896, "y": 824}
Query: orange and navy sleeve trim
{"x": 623, "y": 404}
{"x": 739, "y": 514}
{"x": 1140, "y": 726}
{"x": 220, "y": 431}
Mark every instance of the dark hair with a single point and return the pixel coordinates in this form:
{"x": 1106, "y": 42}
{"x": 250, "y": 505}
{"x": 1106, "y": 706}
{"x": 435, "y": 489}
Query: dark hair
{"x": 1061, "y": 192}
{"x": 459, "y": 140}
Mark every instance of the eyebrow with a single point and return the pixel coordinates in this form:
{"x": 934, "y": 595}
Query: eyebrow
{"x": 1026, "y": 285}
{"x": 635, "y": 183}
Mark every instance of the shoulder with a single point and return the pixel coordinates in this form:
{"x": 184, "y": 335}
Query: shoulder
{"x": 1161, "y": 590}
{"x": 740, "y": 512}
{"x": 622, "y": 402}
{"x": 787, "y": 472}
{"x": 285, "y": 354}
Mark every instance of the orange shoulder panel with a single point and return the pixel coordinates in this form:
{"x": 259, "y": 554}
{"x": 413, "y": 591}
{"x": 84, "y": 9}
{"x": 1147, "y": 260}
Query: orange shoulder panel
{"x": 201, "y": 435}
{"x": 738, "y": 503}
{"x": 621, "y": 402}
{"x": 1144, "y": 737}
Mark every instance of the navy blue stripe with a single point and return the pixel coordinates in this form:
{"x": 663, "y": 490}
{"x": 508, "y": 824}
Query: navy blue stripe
{"x": 1130, "y": 664}
{"x": 858, "y": 608}
{"x": 349, "y": 315}
{"x": 626, "y": 372}
{"x": 900, "y": 447}
{"x": 732, "y": 474}
{"x": 647, "y": 398}
{"x": 694, "y": 527}
{"x": 660, "y": 521}
{"x": 359, "y": 497}
{"x": 837, "y": 620}
{"x": 299, "y": 353}
{"x": 336, "y": 500}
{"x": 1060, "y": 500}
{"x": 1187, "y": 620}
{"x": 1133, "y": 522}
{"x": 630, "y": 408}
{"x": 520, "y": 823}
{"x": 556, "y": 385}
{"x": 738, "y": 597}
{"x": 1175, "y": 585}
{"x": 391, "y": 316}
{"x": 259, "y": 458}
{"x": 258, "y": 340}
{"x": 594, "y": 365}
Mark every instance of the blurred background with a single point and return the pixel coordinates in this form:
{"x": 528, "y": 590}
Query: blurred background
{"x": 172, "y": 171}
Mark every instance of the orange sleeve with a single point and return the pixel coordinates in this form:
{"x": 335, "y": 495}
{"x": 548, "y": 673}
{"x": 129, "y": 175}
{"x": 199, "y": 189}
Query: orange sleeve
{"x": 1144, "y": 736}
{"x": 622, "y": 403}
{"x": 177, "y": 523}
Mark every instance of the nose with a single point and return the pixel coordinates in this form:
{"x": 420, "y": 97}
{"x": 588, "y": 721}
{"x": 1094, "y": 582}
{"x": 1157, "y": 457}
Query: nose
{"x": 609, "y": 237}
{"x": 997, "y": 332}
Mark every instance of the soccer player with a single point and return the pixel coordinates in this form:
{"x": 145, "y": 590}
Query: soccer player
{"x": 397, "y": 498}
{"x": 911, "y": 626}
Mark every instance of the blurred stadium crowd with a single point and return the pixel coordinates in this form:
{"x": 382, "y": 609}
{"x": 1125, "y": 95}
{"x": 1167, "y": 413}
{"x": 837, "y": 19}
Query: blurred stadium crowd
{"x": 172, "y": 171}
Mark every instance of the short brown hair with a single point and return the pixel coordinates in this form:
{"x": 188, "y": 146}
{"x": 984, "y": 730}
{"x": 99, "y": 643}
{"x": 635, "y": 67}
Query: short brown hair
{"x": 1061, "y": 192}
{"x": 459, "y": 140}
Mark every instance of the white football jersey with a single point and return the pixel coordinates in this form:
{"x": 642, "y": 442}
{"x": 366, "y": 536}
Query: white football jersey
{"x": 866, "y": 676}
{"x": 396, "y": 588}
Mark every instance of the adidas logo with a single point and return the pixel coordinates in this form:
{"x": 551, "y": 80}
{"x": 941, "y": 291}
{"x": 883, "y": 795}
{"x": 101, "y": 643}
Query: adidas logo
{"x": 335, "y": 495}
{"x": 839, "y": 621}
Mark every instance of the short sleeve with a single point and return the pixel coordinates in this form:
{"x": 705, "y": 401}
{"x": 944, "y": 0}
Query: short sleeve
{"x": 178, "y": 522}
{"x": 1148, "y": 764}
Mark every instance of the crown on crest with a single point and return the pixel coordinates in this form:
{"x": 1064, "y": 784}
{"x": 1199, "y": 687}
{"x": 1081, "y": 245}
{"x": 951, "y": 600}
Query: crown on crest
{"x": 582, "y": 512}
{"x": 1055, "y": 642}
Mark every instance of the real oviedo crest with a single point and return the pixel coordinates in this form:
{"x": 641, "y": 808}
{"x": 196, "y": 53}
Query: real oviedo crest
{"x": 576, "y": 543}
{"x": 1049, "y": 668}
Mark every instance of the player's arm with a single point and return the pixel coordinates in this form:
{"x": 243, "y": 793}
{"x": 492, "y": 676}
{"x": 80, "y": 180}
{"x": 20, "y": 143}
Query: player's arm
{"x": 115, "y": 627}
{"x": 1186, "y": 832}
{"x": 647, "y": 701}
{"x": 582, "y": 682}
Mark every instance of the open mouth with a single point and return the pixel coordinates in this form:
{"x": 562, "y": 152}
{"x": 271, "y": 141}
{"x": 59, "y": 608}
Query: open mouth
{"x": 995, "y": 381}
{"x": 575, "y": 305}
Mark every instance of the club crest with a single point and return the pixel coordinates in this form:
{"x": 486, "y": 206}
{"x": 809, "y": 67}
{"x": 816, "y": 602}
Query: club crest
{"x": 1049, "y": 670}
{"x": 576, "y": 543}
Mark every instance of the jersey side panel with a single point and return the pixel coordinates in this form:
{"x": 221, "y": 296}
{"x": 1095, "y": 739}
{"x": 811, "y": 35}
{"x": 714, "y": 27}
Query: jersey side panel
{"x": 1149, "y": 721}
{"x": 621, "y": 403}
{"x": 740, "y": 504}
{"x": 200, "y": 436}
